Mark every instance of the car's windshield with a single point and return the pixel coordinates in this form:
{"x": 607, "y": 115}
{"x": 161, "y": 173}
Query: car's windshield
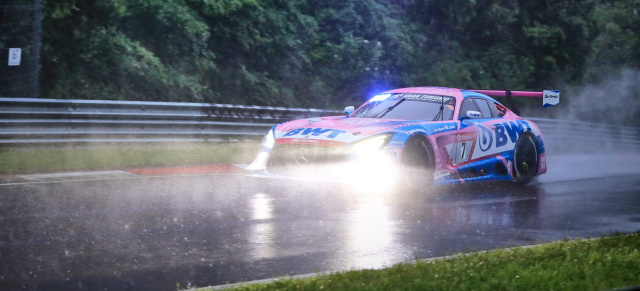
{"x": 408, "y": 106}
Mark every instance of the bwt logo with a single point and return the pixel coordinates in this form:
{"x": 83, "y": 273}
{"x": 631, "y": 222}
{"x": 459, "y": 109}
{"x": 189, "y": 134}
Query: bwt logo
{"x": 315, "y": 132}
{"x": 503, "y": 133}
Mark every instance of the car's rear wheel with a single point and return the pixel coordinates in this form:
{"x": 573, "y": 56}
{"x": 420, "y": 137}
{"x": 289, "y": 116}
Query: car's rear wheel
{"x": 525, "y": 159}
{"x": 417, "y": 165}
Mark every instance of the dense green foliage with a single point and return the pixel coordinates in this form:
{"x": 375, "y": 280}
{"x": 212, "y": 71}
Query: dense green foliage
{"x": 326, "y": 53}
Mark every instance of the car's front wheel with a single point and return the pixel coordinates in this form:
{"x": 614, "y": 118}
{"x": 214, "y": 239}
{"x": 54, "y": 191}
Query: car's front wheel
{"x": 417, "y": 165}
{"x": 525, "y": 159}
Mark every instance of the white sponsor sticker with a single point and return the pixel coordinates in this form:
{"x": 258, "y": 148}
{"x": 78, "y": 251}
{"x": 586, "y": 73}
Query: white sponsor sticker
{"x": 550, "y": 97}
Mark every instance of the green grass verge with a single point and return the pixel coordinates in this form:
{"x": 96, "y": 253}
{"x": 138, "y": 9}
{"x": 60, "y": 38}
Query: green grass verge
{"x": 122, "y": 156}
{"x": 599, "y": 264}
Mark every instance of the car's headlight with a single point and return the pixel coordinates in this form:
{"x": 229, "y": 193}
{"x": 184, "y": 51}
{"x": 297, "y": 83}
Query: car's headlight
{"x": 371, "y": 144}
{"x": 269, "y": 140}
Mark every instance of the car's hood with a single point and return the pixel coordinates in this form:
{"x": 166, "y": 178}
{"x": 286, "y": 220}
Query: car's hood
{"x": 335, "y": 129}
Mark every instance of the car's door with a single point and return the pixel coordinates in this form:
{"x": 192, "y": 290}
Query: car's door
{"x": 475, "y": 136}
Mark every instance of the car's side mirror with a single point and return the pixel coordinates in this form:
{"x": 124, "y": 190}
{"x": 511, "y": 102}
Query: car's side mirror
{"x": 474, "y": 114}
{"x": 471, "y": 114}
{"x": 348, "y": 110}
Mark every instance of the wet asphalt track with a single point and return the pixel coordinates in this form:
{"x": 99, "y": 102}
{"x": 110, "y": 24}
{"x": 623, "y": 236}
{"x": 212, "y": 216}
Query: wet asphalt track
{"x": 152, "y": 233}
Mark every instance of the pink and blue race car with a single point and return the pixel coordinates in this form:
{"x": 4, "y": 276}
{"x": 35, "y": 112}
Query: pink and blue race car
{"x": 416, "y": 137}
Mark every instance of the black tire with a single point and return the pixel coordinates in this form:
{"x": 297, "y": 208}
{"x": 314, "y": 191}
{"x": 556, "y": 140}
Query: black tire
{"x": 525, "y": 159}
{"x": 417, "y": 165}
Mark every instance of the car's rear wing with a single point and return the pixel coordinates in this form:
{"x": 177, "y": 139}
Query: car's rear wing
{"x": 549, "y": 97}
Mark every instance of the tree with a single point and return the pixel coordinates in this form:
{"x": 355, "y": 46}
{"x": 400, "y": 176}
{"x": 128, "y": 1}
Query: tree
{"x": 618, "y": 41}
{"x": 124, "y": 50}
{"x": 329, "y": 53}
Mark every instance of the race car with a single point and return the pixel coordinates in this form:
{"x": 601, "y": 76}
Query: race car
{"x": 415, "y": 137}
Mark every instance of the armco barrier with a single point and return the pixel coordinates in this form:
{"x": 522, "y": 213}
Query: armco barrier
{"x": 25, "y": 120}
{"x": 577, "y": 136}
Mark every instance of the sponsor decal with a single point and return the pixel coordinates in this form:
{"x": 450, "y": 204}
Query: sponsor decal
{"x": 425, "y": 97}
{"x": 303, "y": 140}
{"x": 331, "y": 133}
{"x": 444, "y": 128}
{"x": 474, "y": 114}
{"x": 485, "y": 137}
{"x": 550, "y": 98}
{"x": 503, "y": 134}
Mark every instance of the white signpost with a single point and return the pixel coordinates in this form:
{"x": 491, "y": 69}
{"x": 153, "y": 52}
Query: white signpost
{"x": 15, "y": 55}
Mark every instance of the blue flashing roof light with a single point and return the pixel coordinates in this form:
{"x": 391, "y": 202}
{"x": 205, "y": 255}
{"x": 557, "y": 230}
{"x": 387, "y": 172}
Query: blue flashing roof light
{"x": 380, "y": 97}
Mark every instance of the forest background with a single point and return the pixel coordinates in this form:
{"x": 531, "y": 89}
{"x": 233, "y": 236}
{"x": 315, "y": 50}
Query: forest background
{"x": 332, "y": 53}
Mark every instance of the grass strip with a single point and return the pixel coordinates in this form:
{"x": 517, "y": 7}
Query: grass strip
{"x": 598, "y": 264}
{"x": 118, "y": 156}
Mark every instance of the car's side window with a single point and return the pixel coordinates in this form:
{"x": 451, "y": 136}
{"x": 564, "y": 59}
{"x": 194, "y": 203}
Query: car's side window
{"x": 467, "y": 104}
{"x": 493, "y": 108}
{"x": 484, "y": 107}
{"x": 497, "y": 109}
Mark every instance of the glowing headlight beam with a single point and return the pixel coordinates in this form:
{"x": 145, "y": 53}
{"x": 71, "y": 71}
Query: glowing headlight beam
{"x": 370, "y": 144}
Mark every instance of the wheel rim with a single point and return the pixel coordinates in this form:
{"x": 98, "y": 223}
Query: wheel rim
{"x": 526, "y": 159}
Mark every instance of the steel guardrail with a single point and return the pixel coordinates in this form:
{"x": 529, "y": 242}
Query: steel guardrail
{"x": 580, "y": 135}
{"x": 29, "y": 120}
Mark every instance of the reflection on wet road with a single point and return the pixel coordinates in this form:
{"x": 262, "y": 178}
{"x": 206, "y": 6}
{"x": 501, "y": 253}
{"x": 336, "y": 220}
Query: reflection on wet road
{"x": 153, "y": 233}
